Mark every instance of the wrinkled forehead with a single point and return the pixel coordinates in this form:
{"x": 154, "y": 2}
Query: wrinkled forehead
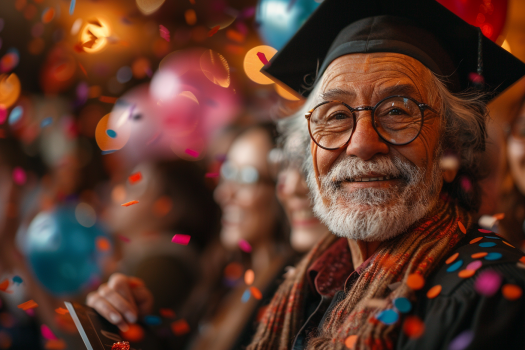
{"x": 376, "y": 75}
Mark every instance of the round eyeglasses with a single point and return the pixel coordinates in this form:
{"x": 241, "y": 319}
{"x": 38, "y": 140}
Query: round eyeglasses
{"x": 398, "y": 120}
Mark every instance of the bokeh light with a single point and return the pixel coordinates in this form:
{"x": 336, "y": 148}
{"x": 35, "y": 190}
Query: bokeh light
{"x": 9, "y": 89}
{"x": 253, "y": 64}
{"x": 118, "y": 125}
{"x": 148, "y": 7}
{"x": 93, "y": 36}
{"x": 215, "y": 68}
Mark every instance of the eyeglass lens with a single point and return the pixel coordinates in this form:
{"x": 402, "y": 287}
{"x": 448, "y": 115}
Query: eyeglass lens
{"x": 397, "y": 119}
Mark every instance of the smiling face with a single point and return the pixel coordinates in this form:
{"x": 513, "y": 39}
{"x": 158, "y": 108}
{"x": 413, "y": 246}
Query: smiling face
{"x": 370, "y": 189}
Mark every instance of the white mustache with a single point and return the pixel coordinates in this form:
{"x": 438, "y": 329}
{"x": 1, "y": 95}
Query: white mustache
{"x": 349, "y": 168}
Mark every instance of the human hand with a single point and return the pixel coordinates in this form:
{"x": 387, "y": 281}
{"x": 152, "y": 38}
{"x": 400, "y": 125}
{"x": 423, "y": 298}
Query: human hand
{"x": 121, "y": 300}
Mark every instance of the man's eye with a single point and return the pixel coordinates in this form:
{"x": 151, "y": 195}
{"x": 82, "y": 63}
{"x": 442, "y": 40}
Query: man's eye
{"x": 340, "y": 116}
{"x": 395, "y": 111}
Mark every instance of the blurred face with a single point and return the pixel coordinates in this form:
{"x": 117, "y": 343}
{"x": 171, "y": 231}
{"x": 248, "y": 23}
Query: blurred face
{"x": 516, "y": 150}
{"x": 246, "y": 193}
{"x": 293, "y": 194}
{"x": 371, "y": 190}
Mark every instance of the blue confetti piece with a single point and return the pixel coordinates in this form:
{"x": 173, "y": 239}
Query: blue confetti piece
{"x": 108, "y": 152}
{"x": 46, "y": 122}
{"x": 245, "y": 296}
{"x": 72, "y": 7}
{"x": 403, "y": 305}
{"x": 493, "y": 256}
{"x": 17, "y": 279}
{"x": 455, "y": 266}
{"x": 388, "y": 317}
{"x": 15, "y": 115}
{"x": 487, "y": 244}
{"x": 111, "y": 133}
{"x": 492, "y": 237}
{"x": 152, "y": 320}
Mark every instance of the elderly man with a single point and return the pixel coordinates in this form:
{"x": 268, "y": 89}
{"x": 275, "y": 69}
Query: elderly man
{"x": 411, "y": 270}
{"x": 394, "y": 87}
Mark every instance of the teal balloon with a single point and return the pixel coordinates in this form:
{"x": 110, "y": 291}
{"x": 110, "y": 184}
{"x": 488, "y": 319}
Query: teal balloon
{"x": 62, "y": 253}
{"x": 279, "y": 20}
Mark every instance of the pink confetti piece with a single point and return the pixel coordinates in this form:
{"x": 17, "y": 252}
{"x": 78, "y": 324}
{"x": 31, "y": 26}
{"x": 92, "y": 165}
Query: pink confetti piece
{"x": 191, "y": 153}
{"x": 214, "y": 31}
{"x": 262, "y": 57}
{"x": 19, "y": 176}
{"x": 212, "y": 174}
{"x": 245, "y": 246}
{"x": 164, "y": 33}
{"x": 482, "y": 230}
{"x": 474, "y": 265}
{"x": 47, "y": 333}
{"x": 3, "y": 114}
{"x": 30, "y": 312}
{"x": 488, "y": 283}
{"x": 124, "y": 238}
{"x": 181, "y": 239}
{"x": 466, "y": 184}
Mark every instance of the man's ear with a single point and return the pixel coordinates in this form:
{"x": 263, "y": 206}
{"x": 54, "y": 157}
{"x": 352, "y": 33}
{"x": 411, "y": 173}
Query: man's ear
{"x": 449, "y": 175}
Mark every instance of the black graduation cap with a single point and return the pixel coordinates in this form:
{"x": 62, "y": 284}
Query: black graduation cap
{"x": 422, "y": 29}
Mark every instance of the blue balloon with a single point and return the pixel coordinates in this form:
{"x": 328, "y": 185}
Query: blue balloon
{"x": 279, "y": 20}
{"x": 62, "y": 253}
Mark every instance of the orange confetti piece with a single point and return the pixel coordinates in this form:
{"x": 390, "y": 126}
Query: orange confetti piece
{"x": 103, "y": 244}
{"x": 434, "y": 291}
{"x": 190, "y": 16}
{"x": 350, "y": 341}
{"x": 452, "y": 258}
{"x": 107, "y": 99}
{"x": 235, "y": 35}
{"x": 522, "y": 259}
{"x": 82, "y": 69}
{"x": 477, "y": 239}
{"x": 28, "y": 305}
{"x": 162, "y": 206}
{"x": 180, "y": 327}
{"x": 510, "y": 245}
{"x": 213, "y": 31}
{"x": 262, "y": 58}
{"x": 413, "y": 327}
{"x": 249, "y": 276}
{"x": 61, "y": 311}
{"x": 256, "y": 293}
{"x": 168, "y": 313}
{"x": 135, "y": 177}
{"x": 415, "y": 281}
{"x": 127, "y": 204}
{"x": 466, "y": 273}
{"x": 479, "y": 255}
{"x": 4, "y": 285}
{"x": 233, "y": 271}
{"x": 499, "y": 216}
{"x": 511, "y": 291}
{"x": 462, "y": 227}
{"x": 135, "y": 333}
{"x": 55, "y": 344}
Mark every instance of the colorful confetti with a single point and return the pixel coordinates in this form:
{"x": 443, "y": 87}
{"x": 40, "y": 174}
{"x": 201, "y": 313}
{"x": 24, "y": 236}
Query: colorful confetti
{"x": 511, "y": 292}
{"x": 103, "y": 244}
{"x": 180, "y": 327}
{"x": 488, "y": 283}
{"x": 249, "y": 277}
{"x": 434, "y": 291}
{"x": 233, "y": 271}
{"x": 350, "y": 341}
{"x": 415, "y": 281}
{"x": 403, "y": 305}
{"x": 28, "y": 305}
{"x": 499, "y": 216}
{"x": 455, "y": 266}
{"x": 123, "y": 238}
{"x": 55, "y": 344}
{"x": 135, "y": 177}
{"x": 135, "y": 333}
{"x": 167, "y": 313}
{"x": 46, "y": 122}
{"x": 213, "y": 31}
{"x": 19, "y": 176}
{"x": 15, "y": 115}
{"x": 152, "y": 320}
{"x": 451, "y": 258}
{"x": 466, "y": 273}
{"x": 4, "y": 285}
{"x": 478, "y": 255}
{"x": 191, "y": 153}
{"x": 262, "y": 57}
{"x": 462, "y": 341}
{"x": 17, "y": 280}
{"x": 477, "y": 239}
{"x": 47, "y": 333}
{"x": 48, "y": 15}
{"x": 245, "y": 296}
{"x": 245, "y": 246}
{"x": 181, "y": 239}
{"x": 413, "y": 327}
{"x": 388, "y": 317}
{"x": 462, "y": 227}
{"x": 212, "y": 175}
{"x": 3, "y": 114}
{"x": 108, "y": 99}
{"x": 61, "y": 311}
{"x": 164, "y": 33}
{"x": 127, "y": 204}
{"x": 72, "y": 7}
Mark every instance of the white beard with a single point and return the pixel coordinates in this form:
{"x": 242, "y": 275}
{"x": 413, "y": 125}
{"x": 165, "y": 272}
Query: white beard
{"x": 374, "y": 214}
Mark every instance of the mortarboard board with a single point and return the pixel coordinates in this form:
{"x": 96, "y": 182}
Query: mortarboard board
{"x": 422, "y": 29}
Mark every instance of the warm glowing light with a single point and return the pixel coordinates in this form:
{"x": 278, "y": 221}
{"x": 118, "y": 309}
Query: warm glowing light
{"x": 189, "y": 95}
{"x": 253, "y": 63}
{"x": 285, "y": 94}
{"x": 93, "y": 36}
{"x": 147, "y": 7}
{"x": 190, "y": 16}
{"x": 506, "y": 45}
{"x": 9, "y": 89}
{"x": 215, "y": 68}
{"x": 164, "y": 86}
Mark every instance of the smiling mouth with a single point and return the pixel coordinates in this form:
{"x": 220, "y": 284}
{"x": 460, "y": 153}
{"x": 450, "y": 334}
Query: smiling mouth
{"x": 372, "y": 179}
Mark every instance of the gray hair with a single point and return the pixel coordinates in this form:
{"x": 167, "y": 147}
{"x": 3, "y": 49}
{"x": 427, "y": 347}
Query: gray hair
{"x": 463, "y": 135}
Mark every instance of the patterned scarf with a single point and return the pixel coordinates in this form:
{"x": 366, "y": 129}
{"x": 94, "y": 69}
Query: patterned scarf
{"x": 417, "y": 251}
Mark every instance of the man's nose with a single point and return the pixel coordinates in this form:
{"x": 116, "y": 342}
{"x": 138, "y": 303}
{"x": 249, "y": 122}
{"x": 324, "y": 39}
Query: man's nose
{"x": 365, "y": 142}
{"x": 223, "y": 193}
